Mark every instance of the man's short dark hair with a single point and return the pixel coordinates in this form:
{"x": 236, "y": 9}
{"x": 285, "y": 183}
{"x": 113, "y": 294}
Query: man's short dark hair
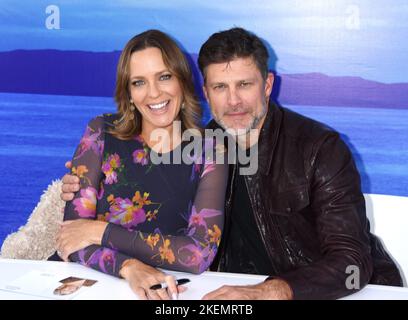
{"x": 234, "y": 43}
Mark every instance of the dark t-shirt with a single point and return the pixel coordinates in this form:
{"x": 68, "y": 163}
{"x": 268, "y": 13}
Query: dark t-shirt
{"x": 246, "y": 252}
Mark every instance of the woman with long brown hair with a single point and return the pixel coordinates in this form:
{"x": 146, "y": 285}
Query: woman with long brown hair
{"x": 131, "y": 213}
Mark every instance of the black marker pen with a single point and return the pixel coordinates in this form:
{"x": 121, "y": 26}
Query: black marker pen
{"x": 164, "y": 285}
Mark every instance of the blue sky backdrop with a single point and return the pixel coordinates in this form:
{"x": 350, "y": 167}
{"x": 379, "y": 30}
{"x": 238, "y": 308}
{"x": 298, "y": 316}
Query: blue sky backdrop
{"x": 365, "y": 38}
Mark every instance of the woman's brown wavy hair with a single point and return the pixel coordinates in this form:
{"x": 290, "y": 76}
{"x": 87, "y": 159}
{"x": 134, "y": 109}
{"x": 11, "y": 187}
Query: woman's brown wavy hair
{"x": 128, "y": 125}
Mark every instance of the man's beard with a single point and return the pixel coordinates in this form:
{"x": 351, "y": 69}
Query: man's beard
{"x": 256, "y": 119}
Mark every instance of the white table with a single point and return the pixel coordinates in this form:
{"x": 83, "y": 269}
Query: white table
{"x": 111, "y": 288}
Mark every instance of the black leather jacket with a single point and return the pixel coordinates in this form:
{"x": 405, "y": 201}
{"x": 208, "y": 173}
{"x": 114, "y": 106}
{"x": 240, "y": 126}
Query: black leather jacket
{"x": 310, "y": 211}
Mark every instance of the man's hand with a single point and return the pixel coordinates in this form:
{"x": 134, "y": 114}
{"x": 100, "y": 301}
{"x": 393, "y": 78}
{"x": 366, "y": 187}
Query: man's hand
{"x": 78, "y": 234}
{"x": 269, "y": 290}
{"x": 70, "y": 184}
{"x": 142, "y": 276}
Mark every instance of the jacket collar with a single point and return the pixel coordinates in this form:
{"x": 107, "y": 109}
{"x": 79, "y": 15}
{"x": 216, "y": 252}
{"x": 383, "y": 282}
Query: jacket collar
{"x": 268, "y": 138}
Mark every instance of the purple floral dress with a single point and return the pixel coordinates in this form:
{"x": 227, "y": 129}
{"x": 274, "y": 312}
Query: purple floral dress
{"x": 166, "y": 215}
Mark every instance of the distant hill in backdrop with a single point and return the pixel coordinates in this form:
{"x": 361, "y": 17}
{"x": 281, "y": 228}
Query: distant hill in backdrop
{"x": 84, "y": 73}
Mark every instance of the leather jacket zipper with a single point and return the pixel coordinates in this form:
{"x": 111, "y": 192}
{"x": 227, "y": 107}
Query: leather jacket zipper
{"x": 275, "y": 233}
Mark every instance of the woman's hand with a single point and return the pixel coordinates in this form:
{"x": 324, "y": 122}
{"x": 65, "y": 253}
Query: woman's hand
{"x": 78, "y": 234}
{"x": 142, "y": 276}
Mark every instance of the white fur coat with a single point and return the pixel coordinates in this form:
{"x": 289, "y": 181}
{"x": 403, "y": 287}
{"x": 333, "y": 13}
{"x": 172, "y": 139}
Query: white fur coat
{"x": 36, "y": 240}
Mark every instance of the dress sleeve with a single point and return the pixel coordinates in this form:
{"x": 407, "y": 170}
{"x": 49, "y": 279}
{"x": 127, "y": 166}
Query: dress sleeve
{"x": 86, "y": 164}
{"x": 194, "y": 250}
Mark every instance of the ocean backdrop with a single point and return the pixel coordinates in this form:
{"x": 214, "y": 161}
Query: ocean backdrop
{"x": 39, "y": 133}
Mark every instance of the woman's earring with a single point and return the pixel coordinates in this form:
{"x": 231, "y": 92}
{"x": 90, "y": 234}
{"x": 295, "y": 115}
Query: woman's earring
{"x": 183, "y": 106}
{"x": 132, "y": 106}
{"x": 132, "y": 109}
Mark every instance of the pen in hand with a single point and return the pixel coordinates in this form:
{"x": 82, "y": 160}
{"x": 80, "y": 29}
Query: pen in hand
{"x": 164, "y": 285}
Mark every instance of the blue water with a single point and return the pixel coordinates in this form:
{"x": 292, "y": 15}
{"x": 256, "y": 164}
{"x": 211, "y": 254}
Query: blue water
{"x": 38, "y": 133}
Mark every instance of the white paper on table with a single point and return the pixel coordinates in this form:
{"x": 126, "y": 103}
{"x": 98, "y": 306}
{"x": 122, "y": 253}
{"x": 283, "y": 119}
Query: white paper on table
{"x": 42, "y": 284}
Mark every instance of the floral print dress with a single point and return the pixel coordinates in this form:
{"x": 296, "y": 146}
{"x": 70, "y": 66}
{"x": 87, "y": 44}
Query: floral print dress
{"x": 165, "y": 215}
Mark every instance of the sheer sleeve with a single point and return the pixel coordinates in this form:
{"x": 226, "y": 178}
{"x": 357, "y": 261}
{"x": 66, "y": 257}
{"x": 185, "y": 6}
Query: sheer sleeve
{"x": 194, "y": 250}
{"x": 86, "y": 164}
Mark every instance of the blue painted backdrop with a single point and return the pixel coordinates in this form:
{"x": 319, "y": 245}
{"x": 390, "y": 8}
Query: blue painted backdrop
{"x": 342, "y": 62}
